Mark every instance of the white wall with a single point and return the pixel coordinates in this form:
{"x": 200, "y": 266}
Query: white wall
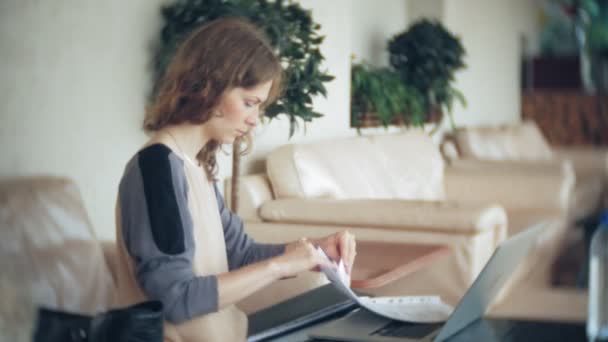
{"x": 74, "y": 75}
{"x": 492, "y": 38}
{"x": 374, "y": 23}
{"x": 73, "y": 79}
{"x": 425, "y": 9}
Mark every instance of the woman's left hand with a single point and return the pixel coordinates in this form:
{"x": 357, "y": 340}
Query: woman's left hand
{"x": 338, "y": 246}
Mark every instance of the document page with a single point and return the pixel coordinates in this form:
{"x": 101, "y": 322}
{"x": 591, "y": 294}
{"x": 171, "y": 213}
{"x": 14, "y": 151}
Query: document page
{"x": 420, "y": 309}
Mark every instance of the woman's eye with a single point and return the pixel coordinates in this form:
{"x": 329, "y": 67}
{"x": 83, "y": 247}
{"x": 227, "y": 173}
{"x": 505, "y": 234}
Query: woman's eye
{"x": 249, "y": 104}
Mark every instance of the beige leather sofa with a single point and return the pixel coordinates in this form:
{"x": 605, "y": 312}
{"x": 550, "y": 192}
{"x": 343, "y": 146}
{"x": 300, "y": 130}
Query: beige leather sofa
{"x": 522, "y": 149}
{"x": 51, "y": 257}
{"x": 382, "y": 188}
{"x": 396, "y": 188}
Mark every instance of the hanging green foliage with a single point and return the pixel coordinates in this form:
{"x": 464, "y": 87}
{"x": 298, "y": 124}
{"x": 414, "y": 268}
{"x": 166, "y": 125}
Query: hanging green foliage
{"x": 291, "y": 31}
{"x": 380, "y": 91}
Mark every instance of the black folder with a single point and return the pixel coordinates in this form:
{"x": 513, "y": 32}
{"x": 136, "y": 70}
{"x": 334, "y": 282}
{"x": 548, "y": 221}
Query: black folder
{"x": 322, "y": 303}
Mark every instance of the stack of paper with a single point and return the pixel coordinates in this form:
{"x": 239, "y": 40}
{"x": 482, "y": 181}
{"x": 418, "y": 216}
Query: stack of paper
{"x": 425, "y": 309}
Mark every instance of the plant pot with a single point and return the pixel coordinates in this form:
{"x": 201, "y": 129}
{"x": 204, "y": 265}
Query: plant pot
{"x": 371, "y": 120}
{"x": 434, "y": 115}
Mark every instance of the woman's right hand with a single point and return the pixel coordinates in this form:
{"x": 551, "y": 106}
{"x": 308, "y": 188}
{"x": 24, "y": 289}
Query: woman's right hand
{"x": 300, "y": 256}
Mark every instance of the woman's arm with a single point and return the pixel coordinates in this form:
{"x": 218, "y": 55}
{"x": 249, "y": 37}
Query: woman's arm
{"x": 298, "y": 257}
{"x": 157, "y": 231}
{"x": 242, "y": 250}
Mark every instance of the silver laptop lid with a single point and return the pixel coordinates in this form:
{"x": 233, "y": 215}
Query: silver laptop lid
{"x": 497, "y": 271}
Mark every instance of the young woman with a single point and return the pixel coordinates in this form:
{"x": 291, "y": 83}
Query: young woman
{"x": 177, "y": 242}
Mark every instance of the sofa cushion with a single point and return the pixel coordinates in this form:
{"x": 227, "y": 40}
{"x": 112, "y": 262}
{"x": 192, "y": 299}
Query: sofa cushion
{"x": 413, "y": 163}
{"x": 443, "y": 216}
{"x": 44, "y": 225}
{"x": 405, "y": 166}
{"x": 508, "y": 142}
{"x": 341, "y": 168}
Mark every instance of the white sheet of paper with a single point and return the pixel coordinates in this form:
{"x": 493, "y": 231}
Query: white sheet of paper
{"x": 423, "y": 309}
{"x": 338, "y": 277}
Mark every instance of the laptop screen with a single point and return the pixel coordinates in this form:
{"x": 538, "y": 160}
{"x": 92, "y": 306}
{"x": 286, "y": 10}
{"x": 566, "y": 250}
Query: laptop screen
{"x": 491, "y": 280}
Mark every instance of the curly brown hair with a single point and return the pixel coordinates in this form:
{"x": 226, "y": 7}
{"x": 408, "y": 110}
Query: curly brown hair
{"x": 218, "y": 56}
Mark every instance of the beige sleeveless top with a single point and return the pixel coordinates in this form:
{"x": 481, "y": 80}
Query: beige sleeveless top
{"x": 229, "y": 323}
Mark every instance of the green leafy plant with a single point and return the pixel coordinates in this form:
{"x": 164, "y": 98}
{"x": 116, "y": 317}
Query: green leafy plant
{"x": 596, "y": 27}
{"x": 381, "y": 92}
{"x": 427, "y": 56}
{"x": 291, "y": 31}
{"x": 588, "y": 18}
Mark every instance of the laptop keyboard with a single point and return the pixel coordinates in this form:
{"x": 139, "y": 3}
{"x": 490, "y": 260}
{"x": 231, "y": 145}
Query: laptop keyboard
{"x": 407, "y": 330}
{"x": 493, "y": 330}
{"x": 545, "y": 332}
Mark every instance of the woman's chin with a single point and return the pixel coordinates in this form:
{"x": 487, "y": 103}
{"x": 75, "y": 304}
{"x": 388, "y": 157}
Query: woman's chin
{"x": 229, "y": 140}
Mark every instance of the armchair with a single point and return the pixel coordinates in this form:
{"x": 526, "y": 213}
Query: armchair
{"x": 521, "y": 148}
{"x": 49, "y": 255}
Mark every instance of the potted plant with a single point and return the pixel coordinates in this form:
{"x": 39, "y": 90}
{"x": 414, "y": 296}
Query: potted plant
{"x": 589, "y": 19}
{"x": 291, "y": 31}
{"x": 426, "y": 56}
{"x": 597, "y": 42}
{"x": 378, "y": 96}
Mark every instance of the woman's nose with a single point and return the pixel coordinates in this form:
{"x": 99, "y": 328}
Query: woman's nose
{"x": 252, "y": 121}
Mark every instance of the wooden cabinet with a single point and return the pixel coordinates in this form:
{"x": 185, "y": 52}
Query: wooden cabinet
{"x": 568, "y": 118}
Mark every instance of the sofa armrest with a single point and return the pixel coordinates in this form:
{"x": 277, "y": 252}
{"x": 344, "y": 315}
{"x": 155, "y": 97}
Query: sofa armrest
{"x": 253, "y": 191}
{"x": 449, "y": 149}
{"x": 399, "y": 214}
{"x": 512, "y": 184}
{"x": 556, "y": 168}
{"x": 587, "y": 161}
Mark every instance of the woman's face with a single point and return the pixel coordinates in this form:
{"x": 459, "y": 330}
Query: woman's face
{"x": 238, "y": 112}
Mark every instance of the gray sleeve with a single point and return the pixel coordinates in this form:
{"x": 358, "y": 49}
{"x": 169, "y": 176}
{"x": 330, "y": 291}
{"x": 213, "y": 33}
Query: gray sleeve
{"x": 242, "y": 249}
{"x": 158, "y": 233}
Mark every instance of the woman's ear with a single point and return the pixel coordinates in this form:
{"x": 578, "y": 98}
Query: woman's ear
{"x": 217, "y": 113}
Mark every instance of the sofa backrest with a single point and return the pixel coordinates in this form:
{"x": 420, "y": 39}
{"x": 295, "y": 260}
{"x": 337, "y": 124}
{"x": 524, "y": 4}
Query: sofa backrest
{"x": 522, "y": 141}
{"x": 406, "y": 165}
{"x": 414, "y": 164}
{"x": 44, "y": 226}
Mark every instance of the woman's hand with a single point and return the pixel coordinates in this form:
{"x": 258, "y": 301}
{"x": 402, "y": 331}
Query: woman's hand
{"x": 338, "y": 246}
{"x": 300, "y": 256}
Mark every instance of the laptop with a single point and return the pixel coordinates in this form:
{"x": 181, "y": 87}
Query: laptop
{"x": 364, "y": 326}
